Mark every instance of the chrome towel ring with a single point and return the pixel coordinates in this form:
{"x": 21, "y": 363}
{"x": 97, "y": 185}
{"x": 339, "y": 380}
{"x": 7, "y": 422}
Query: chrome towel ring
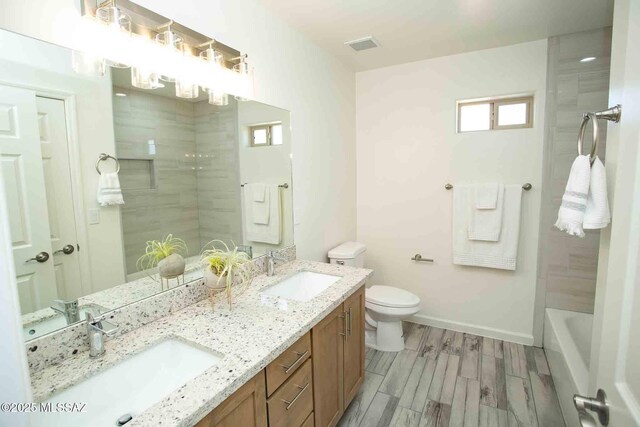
{"x": 612, "y": 114}
{"x": 596, "y": 138}
{"x": 103, "y": 157}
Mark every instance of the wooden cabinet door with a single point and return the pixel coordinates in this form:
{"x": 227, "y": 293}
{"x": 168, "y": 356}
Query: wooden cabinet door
{"x": 354, "y": 346}
{"x": 247, "y": 407}
{"x": 327, "y": 340}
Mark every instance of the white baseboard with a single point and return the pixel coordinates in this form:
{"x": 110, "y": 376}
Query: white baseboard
{"x": 516, "y": 337}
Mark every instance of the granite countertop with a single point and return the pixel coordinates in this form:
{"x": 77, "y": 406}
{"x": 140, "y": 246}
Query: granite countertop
{"x": 250, "y": 336}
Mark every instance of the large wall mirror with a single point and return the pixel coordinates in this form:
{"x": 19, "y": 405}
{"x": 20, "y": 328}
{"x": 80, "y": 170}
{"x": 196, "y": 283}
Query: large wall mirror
{"x": 186, "y": 168}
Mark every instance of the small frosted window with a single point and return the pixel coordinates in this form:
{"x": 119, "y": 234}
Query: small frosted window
{"x": 260, "y": 137}
{"x": 265, "y": 135}
{"x": 475, "y": 117}
{"x": 276, "y": 135}
{"x": 495, "y": 113}
{"x": 512, "y": 114}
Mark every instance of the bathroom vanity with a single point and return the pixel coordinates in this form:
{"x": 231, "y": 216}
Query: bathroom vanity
{"x": 272, "y": 360}
{"x": 309, "y": 384}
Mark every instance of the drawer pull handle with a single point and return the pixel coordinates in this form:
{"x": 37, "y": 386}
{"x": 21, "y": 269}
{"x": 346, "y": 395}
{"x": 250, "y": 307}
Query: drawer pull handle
{"x": 343, "y": 316}
{"x": 301, "y": 356}
{"x": 349, "y": 323}
{"x": 290, "y": 404}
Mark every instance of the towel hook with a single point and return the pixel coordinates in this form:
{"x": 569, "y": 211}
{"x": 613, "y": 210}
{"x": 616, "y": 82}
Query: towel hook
{"x": 583, "y": 128}
{"x": 103, "y": 157}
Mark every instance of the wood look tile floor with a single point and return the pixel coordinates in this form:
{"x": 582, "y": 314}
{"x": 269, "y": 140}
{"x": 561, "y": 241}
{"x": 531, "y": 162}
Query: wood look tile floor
{"x": 451, "y": 379}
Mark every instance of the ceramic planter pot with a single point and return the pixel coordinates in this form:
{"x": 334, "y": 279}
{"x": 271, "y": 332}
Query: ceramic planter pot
{"x": 171, "y": 266}
{"x": 211, "y": 281}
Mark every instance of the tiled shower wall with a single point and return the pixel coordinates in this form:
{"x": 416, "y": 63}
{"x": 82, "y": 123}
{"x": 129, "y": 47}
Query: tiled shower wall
{"x": 179, "y": 171}
{"x": 568, "y": 265}
{"x": 155, "y": 141}
{"x": 219, "y": 209}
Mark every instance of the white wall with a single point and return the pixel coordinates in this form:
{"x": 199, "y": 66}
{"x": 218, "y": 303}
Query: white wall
{"x": 45, "y": 67}
{"x": 291, "y": 73}
{"x": 408, "y": 149}
{"x": 270, "y": 165}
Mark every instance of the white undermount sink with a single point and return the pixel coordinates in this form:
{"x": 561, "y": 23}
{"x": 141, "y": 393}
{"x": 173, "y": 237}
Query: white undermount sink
{"x": 130, "y": 387}
{"x": 302, "y": 286}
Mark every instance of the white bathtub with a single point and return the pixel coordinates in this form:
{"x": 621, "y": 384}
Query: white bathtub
{"x": 567, "y": 344}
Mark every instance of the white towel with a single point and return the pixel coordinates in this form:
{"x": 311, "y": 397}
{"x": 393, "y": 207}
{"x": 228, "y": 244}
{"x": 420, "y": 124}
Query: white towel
{"x": 258, "y": 190}
{"x": 597, "y": 214}
{"x": 574, "y": 200}
{"x": 487, "y": 195}
{"x": 109, "y": 191}
{"x": 264, "y": 233}
{"x": 485, "y": 223}
{"x": 259, "y": 210}
{"x": 502, "y": 254}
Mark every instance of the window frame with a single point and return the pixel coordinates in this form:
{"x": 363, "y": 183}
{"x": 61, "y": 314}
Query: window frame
{"x": 494, "y": 108}
{"x": 267, "y": 127}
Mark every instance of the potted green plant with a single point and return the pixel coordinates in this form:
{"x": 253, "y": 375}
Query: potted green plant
{"x": 166, "y": 254}
{"x": 225, "y": 270}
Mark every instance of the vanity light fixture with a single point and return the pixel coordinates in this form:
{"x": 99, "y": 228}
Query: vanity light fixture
{"x": 588, "y": 59}
{"x": 212, "y": 56}
{"x": 157, "y": 49}
{"x": 172, "y": 43}
{"x": 117, "y": 22}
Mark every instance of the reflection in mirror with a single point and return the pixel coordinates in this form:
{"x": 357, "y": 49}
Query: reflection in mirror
{"x": 99, "y": 172}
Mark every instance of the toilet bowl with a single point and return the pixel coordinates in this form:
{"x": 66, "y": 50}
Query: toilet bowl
{"x": 386, "y": 308}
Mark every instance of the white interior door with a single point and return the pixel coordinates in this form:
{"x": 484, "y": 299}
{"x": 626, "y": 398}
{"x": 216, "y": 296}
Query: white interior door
{"x": 57, "y": 182}
{"x": 21, "y": 162}
{"x": 618, "y": 357}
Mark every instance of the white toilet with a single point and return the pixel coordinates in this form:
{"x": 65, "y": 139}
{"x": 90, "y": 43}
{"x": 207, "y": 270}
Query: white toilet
{"x": 386, "y": 306}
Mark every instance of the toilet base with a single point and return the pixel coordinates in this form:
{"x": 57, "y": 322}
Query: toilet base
{"x": 388, "y": 336}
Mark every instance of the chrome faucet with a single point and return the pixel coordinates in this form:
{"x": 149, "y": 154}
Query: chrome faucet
{"x": 69, "y": 309}
{"x": 272, "y": 257}
{"x": 96, "y": 331}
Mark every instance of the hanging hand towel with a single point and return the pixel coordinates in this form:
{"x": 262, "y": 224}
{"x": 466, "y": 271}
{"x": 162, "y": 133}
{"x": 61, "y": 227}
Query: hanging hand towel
{"x": 109, "y": 192}
{"x": 265, "y": 233}
{"x": 597, "y": 214}
{"x": 487, "y": 195}
{"x": 258, "y": 191}
{"x": 257, "y": 209}
{"x": 502, "y": 254}
{"x": 485, "y": 223}
{"x": 574, "y": 200}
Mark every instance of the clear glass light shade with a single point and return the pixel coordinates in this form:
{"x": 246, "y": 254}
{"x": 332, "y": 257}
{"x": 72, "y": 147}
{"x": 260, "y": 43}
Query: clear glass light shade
{"x": 173, "y": 43}
{"x": 144, "y": 79}
{"x": 87, "y": 64}
{"x": 218, "y": 98}
{"x": 185, "y": 89}
{"x": 213, "y": 56}
{"x": 117, "y": 22}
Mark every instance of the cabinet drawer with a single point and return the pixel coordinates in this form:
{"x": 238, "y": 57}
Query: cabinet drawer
{"x": 309, "y": 421}
{"x": 287, "y": 363}
{"x": 293, "y": 402}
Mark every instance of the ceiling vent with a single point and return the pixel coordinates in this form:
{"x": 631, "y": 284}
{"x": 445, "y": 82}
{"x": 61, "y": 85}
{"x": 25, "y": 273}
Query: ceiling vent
{"x": 363, "y": 44}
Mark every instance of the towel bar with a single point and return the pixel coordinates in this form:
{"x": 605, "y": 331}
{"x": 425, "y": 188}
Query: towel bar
{"x": 526, "y": 186}
{"x": 285, "y": 185}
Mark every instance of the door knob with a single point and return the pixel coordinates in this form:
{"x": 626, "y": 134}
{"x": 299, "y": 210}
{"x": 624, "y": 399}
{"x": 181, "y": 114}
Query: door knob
{"x": 41, "y": 257}
{"x": 596, "y": 404}
{"x": 67, "y": 250}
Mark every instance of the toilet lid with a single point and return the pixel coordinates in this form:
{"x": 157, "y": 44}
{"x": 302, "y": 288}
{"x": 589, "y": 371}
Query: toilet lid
{"x": 391, "y": 297}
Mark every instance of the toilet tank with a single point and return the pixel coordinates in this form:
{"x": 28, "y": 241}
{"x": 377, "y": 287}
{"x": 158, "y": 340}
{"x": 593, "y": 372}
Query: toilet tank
{"x": 348, "y": 253}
